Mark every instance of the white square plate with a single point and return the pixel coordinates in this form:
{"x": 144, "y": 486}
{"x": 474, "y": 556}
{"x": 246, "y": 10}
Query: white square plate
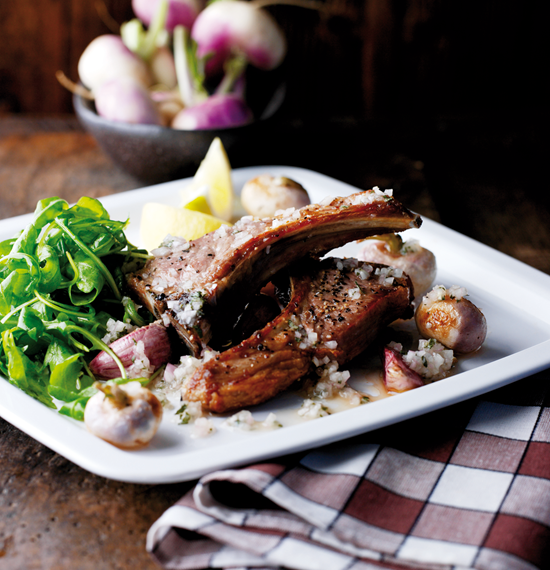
{"x": 513, "y": 296}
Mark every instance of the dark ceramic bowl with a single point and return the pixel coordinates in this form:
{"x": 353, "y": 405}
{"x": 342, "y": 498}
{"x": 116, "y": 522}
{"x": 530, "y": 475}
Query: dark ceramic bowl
{"x": 154, "y": 154}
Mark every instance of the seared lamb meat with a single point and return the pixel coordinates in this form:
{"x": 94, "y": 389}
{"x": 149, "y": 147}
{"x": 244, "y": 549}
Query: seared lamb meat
{"x": 201, "y": 287}
{"x": 337, "y": 308}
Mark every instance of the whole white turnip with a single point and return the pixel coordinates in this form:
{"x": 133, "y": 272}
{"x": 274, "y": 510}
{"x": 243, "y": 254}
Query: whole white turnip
{"x": 106, "y": 58}
{"x": 126, "y": 100}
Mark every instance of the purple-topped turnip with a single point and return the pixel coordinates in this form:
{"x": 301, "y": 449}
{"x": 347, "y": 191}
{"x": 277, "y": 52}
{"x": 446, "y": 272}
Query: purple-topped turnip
{"x": 202, "y": 111}
{"x": 137, "y": 78}
{"x": 180, "y": 12}
{"x": 125, "y": 100}
{"x": 229, "y": 27}
{"x": 106, "y": 58}
{"x": 216, "y": 112}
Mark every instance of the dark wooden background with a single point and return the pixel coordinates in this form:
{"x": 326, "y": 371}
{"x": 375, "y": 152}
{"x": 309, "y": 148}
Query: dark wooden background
{"x": 369, "y": 58}
{"x": 458, "y": 87}
{"x": 443, "y": 100}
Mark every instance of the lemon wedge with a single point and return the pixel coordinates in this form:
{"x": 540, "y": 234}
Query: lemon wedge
{"x": 199, "y": 204}
{"x": 212, "y": 181}
{"x": 159, "y": 220}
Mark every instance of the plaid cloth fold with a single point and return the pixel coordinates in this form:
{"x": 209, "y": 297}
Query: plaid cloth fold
{"x": 463, "y": 487}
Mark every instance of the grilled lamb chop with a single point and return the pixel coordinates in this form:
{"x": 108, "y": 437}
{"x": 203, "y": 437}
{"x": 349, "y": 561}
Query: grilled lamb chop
{"x": 337, "y": 308}
{"x": 201, "y": 287}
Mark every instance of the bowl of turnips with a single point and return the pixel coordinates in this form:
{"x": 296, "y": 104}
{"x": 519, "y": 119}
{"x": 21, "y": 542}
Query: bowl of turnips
{"x": 178, "y": 75}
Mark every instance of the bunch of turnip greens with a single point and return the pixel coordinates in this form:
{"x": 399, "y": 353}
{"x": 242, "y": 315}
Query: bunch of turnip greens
{"x": 61, "y": 280}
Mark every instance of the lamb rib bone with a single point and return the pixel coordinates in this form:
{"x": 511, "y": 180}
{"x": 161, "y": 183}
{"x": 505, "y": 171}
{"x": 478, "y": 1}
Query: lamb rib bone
{"x": 200, "y": 287}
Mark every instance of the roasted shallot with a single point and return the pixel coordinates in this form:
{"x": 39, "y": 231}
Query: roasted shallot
{"x": 141, "y": 352}
{"x": 398, "y": 377}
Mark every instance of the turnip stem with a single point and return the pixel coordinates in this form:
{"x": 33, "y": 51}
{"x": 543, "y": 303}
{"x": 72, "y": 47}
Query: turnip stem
{"x": 189, "y": 76}
{"x": 156, "y": 27}
{"x": 234, "y": 68}
{"x": 74, "y": 87}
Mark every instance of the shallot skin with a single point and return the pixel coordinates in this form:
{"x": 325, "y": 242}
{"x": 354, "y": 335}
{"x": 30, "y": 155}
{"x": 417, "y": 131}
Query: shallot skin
{"x": 456, "y": 323}
{"x": 130, "y": 424}
{"x": 156, "y": 347}
{"x": 398, "y": 377}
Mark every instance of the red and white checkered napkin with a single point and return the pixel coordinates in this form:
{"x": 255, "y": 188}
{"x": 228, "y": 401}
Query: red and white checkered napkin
{"x": 463, "y": 487}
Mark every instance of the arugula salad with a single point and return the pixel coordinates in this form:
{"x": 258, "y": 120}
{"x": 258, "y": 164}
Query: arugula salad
{"x": 61, "y": 281}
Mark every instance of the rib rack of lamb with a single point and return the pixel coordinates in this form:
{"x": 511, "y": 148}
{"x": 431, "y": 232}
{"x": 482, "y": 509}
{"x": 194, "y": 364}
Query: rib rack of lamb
{"x": 200, "y": 288}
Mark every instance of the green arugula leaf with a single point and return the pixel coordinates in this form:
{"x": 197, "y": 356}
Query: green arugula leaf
{"x": 47, "y": 210}
{"x": 6, "y": 246}
{"x": 14, "y": 290}
{"x": 25, "y": 242}
{"x": 50, "y": 272}
{"x": 75, "y": 408}
{"x": 85, "y": 249}
{"x": 60, "y": 282}
{"x": 89, "y": 280}
{"x": 24, "y": 373}
{"x": 30, "y": 322}
{"x": 90, "y": 207}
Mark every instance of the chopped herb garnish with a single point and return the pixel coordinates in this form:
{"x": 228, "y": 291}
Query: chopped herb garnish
{"x": 292, "y": 325}
{"x": 430, "y": 344}
{"x": 183, "y": 415}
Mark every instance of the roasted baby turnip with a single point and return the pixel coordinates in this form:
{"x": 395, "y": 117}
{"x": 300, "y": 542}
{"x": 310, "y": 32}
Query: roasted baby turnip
{"x": 447, "y": 316}
{"x": 264, "y": 195}
{"x": 417, "y": 262}
{"x": 216, "y": 112}
{"x": 229, "y": 27}
{"x": 125, "y": 100}
{"x": 127, "y": 415}
{"x": 106, "y": 58}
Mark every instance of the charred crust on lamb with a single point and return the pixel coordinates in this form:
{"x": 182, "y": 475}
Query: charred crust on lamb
{"x": 336, "y": 310}
{"x": 201, "y": 287}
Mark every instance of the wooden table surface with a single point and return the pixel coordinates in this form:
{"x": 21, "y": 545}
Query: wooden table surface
{"x": 478, "y": 175}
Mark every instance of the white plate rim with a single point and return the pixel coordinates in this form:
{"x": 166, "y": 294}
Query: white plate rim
{"x": 69, "y": 438}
